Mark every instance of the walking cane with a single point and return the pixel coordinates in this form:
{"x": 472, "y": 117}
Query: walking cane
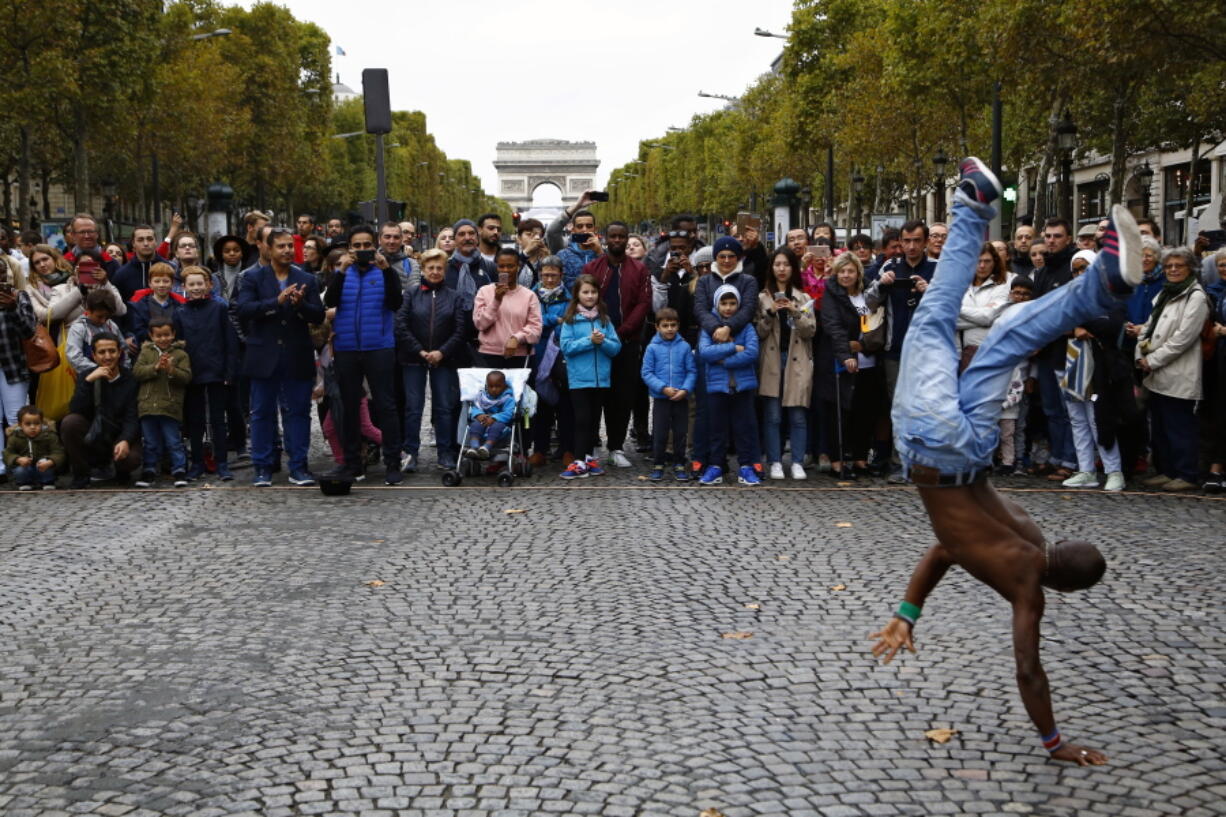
{"x": 838, "y": 409}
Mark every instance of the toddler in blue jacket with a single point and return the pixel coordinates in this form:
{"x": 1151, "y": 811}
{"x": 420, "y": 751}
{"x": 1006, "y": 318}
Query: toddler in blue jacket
{"x": 732, "y": 383}
{"x": 489, "y": 416}
{"x": 669, "y": 371}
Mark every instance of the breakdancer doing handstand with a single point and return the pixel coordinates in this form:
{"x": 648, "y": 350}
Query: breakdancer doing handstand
{"x": 945, "y": 430}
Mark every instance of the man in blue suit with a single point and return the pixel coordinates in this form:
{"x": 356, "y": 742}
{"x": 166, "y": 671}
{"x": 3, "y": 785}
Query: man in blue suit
{"x": 276, "y": 303}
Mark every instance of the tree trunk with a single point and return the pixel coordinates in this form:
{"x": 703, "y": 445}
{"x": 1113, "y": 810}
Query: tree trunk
{"x": 1119, "y": 151}
{"x": 23, "y": 180}
{"x": 8, "y": 195}
{"x": 45, "y": 178}
{"x": 1045, "y": 165}
{"x": 80, "y": 162}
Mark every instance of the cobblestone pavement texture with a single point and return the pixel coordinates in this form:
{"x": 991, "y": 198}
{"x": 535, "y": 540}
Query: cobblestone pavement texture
{"x": 221, "y": 651}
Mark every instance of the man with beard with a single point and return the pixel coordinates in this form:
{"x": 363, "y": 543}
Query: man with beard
{"x": 1023, "y": 237}
{"x": 624, "y": 287}
{"x": 134, "y": 275}
{"x": 467, "y": 271}
{"x": 1058, "y": 236}
{"x": 391, "y": 247}
{"x": 334, "y": 232}
{"x": 681, "y": 227}
{"x": 489, "y": 234}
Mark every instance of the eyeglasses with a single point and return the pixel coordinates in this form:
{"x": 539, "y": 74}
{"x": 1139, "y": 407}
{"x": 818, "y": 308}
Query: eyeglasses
{"x": 680, "y": 233}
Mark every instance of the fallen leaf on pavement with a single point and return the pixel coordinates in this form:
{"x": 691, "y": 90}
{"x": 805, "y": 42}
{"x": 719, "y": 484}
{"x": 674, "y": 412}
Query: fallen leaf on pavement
{"x": 782, "y": 558}
{"x": 843, "y": 484}
{"x": 753, "y": 606}
{"x": 842, "y": 524}
{"x": 940, "y": 735}
{"x": 643, "y": 478}
{"x": 375, "y": 583}
{"x": 740, "y": 636}
{"x": 510, "y": 511}
{"x": 712, "y": 812}
{"x": 838, "y": 587}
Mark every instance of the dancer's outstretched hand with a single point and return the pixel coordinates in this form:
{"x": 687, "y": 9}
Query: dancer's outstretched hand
{"x": 891, "y": 638}
{"x": 1080, "y": 755}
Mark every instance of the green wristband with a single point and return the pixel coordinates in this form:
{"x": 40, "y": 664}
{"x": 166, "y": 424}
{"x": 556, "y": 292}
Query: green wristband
{"x": 908, "y": 612}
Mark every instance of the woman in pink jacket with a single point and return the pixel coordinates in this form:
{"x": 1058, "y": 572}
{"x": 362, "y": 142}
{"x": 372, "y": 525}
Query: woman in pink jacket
{"x": 507, "y": 316}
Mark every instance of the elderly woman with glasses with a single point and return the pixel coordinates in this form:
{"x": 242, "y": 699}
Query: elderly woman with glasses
{"x": 1168, "y": 354}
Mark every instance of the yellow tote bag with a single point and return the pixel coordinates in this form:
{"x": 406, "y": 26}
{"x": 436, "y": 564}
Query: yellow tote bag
{"x": 55, "y": 387}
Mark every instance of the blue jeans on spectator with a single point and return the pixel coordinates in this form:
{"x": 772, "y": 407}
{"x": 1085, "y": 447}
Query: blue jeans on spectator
{"x": 772, "y": 419}
{"x": 491, "y": 434}
{"x": 1059, "y": 431}
{"x": 30, "y": 475}
{"x": 1173, "y": 431}
{"x": 162, "y": 433}
{"x": 950, "y": 423}
{"x": 444, "y": 401}
{"x": 293, "y": 398}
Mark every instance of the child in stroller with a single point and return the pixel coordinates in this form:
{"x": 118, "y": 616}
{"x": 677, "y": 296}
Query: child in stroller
{"x": 490, "y": 416}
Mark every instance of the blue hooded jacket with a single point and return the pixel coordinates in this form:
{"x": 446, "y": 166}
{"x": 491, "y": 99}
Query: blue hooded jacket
{"x": 501, "y": 409}
{"x": 205, "y": 328}
{"x": 668, "y": 363}
{"x": 366, "y": 302}
{"x": 728, "y": 370}
{"x": 574, "y": 259}
{"x": 588, "y": 365}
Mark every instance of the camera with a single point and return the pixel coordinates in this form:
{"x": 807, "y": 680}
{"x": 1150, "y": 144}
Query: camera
{"x": 581, "y": 237}
{"x": 600, "y": 195}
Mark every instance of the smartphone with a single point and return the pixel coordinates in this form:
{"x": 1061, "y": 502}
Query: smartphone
{"x": 86, "y": 276}
{"x": 600, "y": 195}
{"x": 781, "y": 296}
{"x": 502, "y": 279}
{"x": 581, "y": 237}
{"x": 674, "y": 254}
{"x": 818, "y": 250}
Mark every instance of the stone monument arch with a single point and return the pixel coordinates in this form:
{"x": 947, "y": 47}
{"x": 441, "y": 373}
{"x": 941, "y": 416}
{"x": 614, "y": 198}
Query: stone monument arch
{"x": 524, "y": 166}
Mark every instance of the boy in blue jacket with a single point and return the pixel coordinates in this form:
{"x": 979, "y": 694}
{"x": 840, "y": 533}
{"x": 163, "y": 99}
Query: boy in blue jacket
{"x": 732, "y": 382}
{"x": 490, "y": 414}
{"x": 669, "y": 371}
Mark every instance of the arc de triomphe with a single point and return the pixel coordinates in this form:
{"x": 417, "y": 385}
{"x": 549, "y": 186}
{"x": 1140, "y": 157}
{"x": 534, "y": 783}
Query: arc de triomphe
{"x": 524, "y": 166}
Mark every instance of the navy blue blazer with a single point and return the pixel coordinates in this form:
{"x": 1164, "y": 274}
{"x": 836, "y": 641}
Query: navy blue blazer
{"x": 278, "y": 335}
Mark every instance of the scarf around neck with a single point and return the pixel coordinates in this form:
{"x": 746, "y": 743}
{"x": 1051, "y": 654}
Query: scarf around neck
{"x": 1170, "y": 291}
{"x": 591, "y": 314}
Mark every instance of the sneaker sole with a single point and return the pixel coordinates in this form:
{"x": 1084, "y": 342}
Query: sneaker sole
{"x": 293, "y": 481}
{"x": 1129, "y": 237}
{"x": 984, "y": 171}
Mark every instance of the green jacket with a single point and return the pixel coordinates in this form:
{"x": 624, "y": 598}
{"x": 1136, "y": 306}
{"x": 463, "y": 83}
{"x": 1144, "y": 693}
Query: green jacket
{"x": 161, "y": 393}
{"x": 45, "y": 445}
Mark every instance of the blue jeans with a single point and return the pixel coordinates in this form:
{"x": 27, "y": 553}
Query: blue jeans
{"x": 492, "y": 434}
{"x": 733, "y": 413}
{"x": 162, "y": 433}
{"x": 30, "y": 475}
{"x": 1059, "y": 429}
{"x": 772, "y": 419}
{"x": 950, "y": 423}
{"x": 293, "y": 398}
{"x": 445, "y": 400}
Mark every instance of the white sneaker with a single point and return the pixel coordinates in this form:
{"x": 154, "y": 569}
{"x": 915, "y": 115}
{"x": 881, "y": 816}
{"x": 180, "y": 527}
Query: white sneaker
{"x": 1115, "y": 481}
{"x": 618, "y": 458}
{"x": 1081, "y": 479}
{"x": 798, "y": 471}
{"x": 776, "y": 470}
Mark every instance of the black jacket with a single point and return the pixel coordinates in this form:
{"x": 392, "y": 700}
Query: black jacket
{"x": 117, "y": 407}
{"x": 704, "y": 302}
{"x": 431, "y": 320}
{"x": 134, "y": 276}
{"x": 840, "y": 326}
{"x": 212, "y": 344}
{"x": 1055, "y": 273}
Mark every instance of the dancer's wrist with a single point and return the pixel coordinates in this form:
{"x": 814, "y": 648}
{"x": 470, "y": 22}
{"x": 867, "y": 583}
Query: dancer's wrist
{"x": 908, "y": 612}
{"x": 1053, "y": 742}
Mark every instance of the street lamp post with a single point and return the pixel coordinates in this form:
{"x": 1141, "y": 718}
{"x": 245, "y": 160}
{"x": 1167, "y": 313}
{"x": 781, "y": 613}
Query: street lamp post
{"x": 1066, "y": 141}
{"x": 939, "y": 161}
{"x": 806, "y": 198}
{"x": 761, "y": 32}
{"x": 857, "y": 185}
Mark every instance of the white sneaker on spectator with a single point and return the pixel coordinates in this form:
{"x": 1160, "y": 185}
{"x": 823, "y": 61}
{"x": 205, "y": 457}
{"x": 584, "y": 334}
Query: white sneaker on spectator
{"x": 798, "y": 471}
{"x": 618, "y": 458}
{"x": 1081, "y": 479}
{"x": 1115, "y": 481}
{"x": 776, "y": 470}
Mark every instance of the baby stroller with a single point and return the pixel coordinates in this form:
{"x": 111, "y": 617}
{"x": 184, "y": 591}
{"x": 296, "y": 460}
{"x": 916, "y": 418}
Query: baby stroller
{"x": 508, "y": 460}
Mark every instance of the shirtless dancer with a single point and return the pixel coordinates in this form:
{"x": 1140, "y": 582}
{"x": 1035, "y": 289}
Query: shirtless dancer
{"x": 945, "y": 429}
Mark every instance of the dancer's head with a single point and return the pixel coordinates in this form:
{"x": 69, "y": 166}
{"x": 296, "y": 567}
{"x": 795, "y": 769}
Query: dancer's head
{"x": 1072, "y": 565}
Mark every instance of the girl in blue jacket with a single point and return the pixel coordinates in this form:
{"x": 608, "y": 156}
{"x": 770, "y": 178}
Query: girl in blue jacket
{"x": 732, "y": 382}
{"x": 589, "y": 343}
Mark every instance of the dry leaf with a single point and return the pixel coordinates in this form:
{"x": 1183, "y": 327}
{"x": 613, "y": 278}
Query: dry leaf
{"x": 753, "y": 606}
{"x": 712, "y": 812}
{"x": 940, "y": 735}
{"x": 375, "y": 583}
{"x": 838, "y": 587}
{"x": 842, "y": 524}
{"x": 782, "y": 558}
{"x": 843, "y": 484}
{"x": 510, "y": 511}
{"x": 739, "y": 636}
{"x": 643, "y": 478}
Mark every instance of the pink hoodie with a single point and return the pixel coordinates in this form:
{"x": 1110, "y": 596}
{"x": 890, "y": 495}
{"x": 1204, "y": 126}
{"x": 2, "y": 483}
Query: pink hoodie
{"x": 518, "y": 314}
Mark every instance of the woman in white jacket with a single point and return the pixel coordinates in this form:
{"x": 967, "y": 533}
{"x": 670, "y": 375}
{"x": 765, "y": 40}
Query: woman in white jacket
{"x": 985, "y": 299}
{"x": 1168, "y": 353}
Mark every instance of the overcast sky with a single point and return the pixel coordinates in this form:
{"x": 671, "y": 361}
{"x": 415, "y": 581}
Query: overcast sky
{"x": 610, "y": 72}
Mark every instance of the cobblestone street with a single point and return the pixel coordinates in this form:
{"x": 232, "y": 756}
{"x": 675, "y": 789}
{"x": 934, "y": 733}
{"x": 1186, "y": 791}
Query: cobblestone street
{"x": 231, "y": 651}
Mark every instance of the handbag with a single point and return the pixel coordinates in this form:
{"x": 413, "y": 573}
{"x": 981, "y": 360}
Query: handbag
{"x": 872, "y": 332}
{"x": 41, "y": 353}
